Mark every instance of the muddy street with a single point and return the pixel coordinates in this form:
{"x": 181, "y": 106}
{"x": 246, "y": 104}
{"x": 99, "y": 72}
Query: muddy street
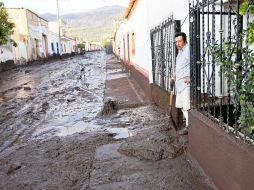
{"x": 44, "y": 97}
{"x": 61, "y": 128}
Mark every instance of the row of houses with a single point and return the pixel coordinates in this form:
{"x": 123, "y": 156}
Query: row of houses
{"x": 37, "y": 38}
{"x": 221, "y": 63}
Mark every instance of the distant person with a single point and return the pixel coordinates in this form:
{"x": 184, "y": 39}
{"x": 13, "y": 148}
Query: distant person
{"x": 182, "y": 77}
{"x": 82, "y": 68}
{"x": 119, "y": 59}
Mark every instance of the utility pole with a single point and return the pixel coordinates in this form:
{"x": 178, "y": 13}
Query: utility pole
{"x": 59, "y": 30}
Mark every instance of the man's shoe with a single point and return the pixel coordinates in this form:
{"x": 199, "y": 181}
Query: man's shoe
{"x": 183, "y": 131}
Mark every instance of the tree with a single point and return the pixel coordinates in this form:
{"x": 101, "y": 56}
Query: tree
{"x": 81, "y": 46}
{"x": 104, "y": 43}
{"x": 6, "y": 27}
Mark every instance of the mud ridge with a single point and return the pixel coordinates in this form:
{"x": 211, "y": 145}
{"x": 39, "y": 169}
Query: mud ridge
{"x": 111, "y": 106}
{"x": 156, "y": 143}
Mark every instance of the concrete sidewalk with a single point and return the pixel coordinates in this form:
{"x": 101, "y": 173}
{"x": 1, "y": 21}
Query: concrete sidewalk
{"x": 153, "y": 156}
{"x": 120, "y": 87}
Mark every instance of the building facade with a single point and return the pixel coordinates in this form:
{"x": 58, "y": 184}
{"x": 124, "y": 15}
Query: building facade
{"x": 30, "y": 33}
{"x": 133, "y": 35}
{"x": 221, "y": 118}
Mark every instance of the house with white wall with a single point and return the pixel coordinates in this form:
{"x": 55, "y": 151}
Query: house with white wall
{"x": 53, "y": 44}
{"x": 133, "y": 35}
{"x": 68, "y": 45}
{"x": 30, "y": 34}
{"x": 87, "y": 46}
{"x": 6, "y": 53}
{"x": 116, "y": 25}
{"x": 6, "y": 57}
{"x": 216, "y": 138}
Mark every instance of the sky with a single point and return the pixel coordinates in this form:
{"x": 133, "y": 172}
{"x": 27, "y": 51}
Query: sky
{"x": 65, "y": 6}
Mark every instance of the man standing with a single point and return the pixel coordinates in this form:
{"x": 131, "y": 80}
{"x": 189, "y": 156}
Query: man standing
{"x": 182, "y": 77}
{"x": 119, "y": 58}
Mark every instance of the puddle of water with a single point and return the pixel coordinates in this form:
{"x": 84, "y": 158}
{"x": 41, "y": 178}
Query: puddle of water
{"x": 62, "y": 131}
{"x": 112, "y": 71}
{"x": 122, "y": 133}
{"x": 77, "y": 128}
{"x": 117, "y": 76}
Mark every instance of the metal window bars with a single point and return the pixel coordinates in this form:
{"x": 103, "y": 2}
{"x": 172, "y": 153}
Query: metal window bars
{"x": 222, "y": 64}
{"x": 164, "y": 51}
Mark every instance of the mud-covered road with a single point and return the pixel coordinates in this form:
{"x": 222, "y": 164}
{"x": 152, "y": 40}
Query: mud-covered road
{"x": 53, "y": 135}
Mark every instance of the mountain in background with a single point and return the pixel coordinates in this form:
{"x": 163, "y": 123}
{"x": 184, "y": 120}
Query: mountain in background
{"x": 49, "y": 16}
{"x": 93, "y": 25}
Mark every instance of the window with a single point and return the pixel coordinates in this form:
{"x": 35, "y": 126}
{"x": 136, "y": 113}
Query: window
{"x": 52, "y": 47}
{"x": 128, "y": 48}
{"x": 133, "y": 44}
{"x": 57, "y": 47}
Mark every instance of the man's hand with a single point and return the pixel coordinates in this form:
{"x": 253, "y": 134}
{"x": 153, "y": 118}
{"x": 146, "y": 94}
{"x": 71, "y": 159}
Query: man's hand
{"x": 187, "y": 80}
{"x": 174, "y": 77}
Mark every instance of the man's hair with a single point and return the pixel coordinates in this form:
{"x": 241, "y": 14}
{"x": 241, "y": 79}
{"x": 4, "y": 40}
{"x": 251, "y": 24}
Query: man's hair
{"x": 181, "y": 34}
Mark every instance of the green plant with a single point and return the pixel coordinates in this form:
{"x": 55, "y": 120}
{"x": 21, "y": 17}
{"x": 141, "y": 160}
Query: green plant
{"x": 243, "y": 11}
{"x": 104, "y": 43}
{"x": 6, "y": 27}
{"x": 81, "y": 46}
{"x": 240, "y": 76}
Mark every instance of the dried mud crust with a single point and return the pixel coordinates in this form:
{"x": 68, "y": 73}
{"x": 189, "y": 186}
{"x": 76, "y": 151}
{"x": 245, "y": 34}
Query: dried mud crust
{"x": 59, "y": 163}
{"x": 155, "y": 143}
{"x": 87, "y": 160}
{"x": 57, "y": 96}
{"x": 154, "y": 136}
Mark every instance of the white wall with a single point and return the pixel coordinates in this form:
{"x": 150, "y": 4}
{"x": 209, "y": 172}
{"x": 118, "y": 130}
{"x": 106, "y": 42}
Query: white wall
{"x": 67, "y": 45}
{"x": 52, "y": 38}
{"x": 43, "y": 30}
{"x": 87, "y": 46}
{"x": 5, "y": 54}
{"x": 20, "y": 53}
{"x": 36, "y": 32}
{"x": 150, "y": 13}
{"x": 159, "y": 10}
{"x": 146, "y": 15}
{"x": 119, "y": 37}
{"x": 139, "y": 24}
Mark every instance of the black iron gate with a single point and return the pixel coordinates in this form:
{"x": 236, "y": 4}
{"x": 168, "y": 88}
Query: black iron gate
{"x": 164, "y": 51}
{"x": 222, "y": 63}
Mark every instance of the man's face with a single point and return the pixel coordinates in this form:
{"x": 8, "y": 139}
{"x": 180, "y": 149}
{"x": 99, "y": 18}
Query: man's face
{"x": 180, "y": 43}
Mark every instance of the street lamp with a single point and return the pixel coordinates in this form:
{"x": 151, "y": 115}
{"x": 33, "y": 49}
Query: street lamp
{"x": 59, "y": 30}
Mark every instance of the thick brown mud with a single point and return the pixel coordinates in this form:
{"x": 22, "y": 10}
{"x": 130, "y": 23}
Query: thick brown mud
{"x": 60, "y": 130}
